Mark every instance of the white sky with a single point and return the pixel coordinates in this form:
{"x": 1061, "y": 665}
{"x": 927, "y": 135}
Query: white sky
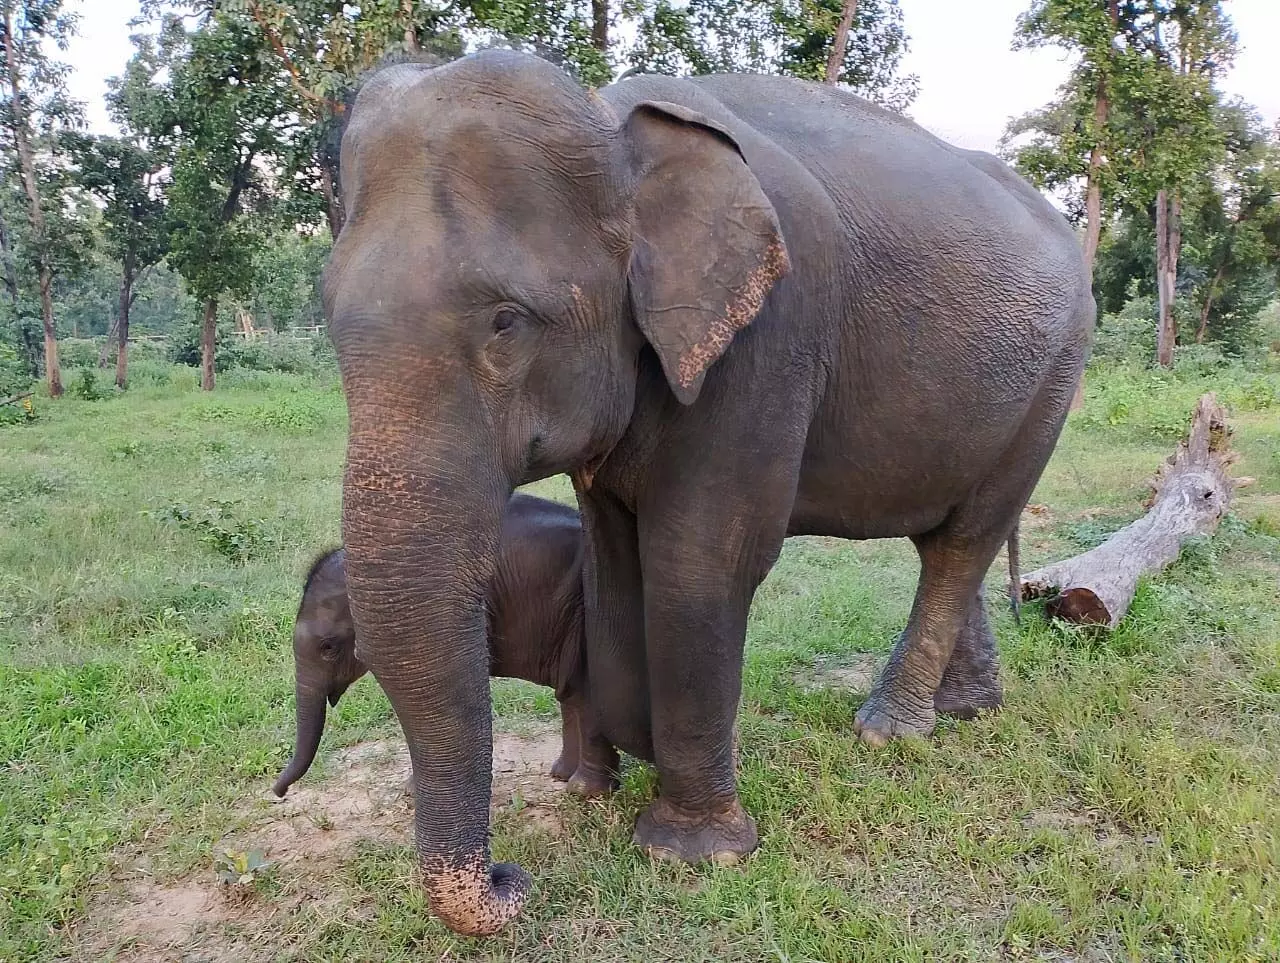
{"x": 971, "y": 83}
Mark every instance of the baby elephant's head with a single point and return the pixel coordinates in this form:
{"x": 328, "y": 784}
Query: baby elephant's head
{"x": 324, "y": 658}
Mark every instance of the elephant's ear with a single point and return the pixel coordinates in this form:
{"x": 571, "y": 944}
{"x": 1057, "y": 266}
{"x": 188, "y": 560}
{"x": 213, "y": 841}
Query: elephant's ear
{"x": 708, "y": 247}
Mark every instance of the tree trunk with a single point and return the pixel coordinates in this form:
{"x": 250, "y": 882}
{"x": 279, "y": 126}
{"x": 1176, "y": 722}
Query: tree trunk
{"x": 600, "y": 25}
{"x": 1191, "y": 494}
{"x": 26, "y": 161}
{"x": 10, "y": 272}
{"x": 52, "y": 369}
{"x": 410, "y": 31}
{"x": 333, "y": 208}
{"x": 1166, "y": 272}
{"x": 1209, "y": 296}
{"x": 122, "y": 351}
{"x": 840, "y": 43}
{"x": 104, "y": 353}
{"x": 208, "y": 343}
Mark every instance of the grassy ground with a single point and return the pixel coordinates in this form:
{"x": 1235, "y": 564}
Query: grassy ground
{"x": 1124, "y": 805}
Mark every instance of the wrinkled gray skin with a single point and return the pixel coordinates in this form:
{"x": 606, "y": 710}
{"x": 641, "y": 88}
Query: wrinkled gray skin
{"x": 534, "y": 607}
{"x": 733, "y": 309}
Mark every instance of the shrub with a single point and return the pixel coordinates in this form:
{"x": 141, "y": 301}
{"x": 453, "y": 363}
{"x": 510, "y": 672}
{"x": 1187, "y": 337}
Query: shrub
{"x": 14, "y": 376}
{"x": 236, "y": 540}
{"x": 79, "y": 352}
{"x": 85, "y": 385}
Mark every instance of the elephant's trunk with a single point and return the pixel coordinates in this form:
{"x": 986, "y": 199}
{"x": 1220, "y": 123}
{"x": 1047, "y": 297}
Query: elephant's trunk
{"x": 310, "y": 711}
{"x": 422, "y": 510}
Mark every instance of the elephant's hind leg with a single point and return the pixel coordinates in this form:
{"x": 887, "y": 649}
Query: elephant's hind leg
{"x": 971, "y": 682}
{"x": 946, "y": 659}
{"x": 902, "y": 702}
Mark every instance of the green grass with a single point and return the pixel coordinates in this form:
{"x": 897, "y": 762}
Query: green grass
{"x": 1124, "y": 805}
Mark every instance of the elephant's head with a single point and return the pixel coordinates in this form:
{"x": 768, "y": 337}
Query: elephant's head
{"x": 324, "y": 659}
{"x": 514, "y": 245}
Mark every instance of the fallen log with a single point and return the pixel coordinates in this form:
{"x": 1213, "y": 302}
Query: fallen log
{"x": 1190, "y": 495}
{"x": 14, "y": 399}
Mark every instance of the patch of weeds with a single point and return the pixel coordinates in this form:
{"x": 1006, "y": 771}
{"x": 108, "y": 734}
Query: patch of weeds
{"x": 1258, "y": 394}
{"x": 287, "y": 414}
{"x": 17, "y": 487}
{"x": 1090, "y": 532}
{"x": 237, "y": 540}
{"x": 250, "y": 464}
{"x": 86, "y": 387}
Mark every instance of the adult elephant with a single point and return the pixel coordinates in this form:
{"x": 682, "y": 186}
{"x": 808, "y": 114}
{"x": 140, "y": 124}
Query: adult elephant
{"x": 732, "y": 308}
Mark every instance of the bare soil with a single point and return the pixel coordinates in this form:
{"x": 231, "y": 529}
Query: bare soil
{"x": 362, "y": 796}
{"x": 853, "y": 673}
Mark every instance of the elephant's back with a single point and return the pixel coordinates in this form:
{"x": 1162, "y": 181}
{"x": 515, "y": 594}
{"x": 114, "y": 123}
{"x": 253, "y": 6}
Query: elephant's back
{"x": 886, "y": 172}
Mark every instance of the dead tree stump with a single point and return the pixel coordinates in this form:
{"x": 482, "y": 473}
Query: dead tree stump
{"x": 1190, "y": 494}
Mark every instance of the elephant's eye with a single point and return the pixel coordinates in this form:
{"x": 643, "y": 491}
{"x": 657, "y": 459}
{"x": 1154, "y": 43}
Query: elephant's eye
{"x": 505, "y": 318}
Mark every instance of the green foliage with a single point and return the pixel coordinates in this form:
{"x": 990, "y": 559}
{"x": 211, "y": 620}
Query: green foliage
{"x": 296, "y": 355}
{"x": 239, "y": 868}
{"x": 216, "y": 525}
{"x": 84, "y": 385}
{"x": 287, "y": 281}
{"x": 14, "y": 376}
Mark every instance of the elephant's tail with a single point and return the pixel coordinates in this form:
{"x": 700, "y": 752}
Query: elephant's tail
{"x": 1015, "y": 578}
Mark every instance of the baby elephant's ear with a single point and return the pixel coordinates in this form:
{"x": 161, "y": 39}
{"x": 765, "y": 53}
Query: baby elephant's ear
{"x": 709, "y": 248}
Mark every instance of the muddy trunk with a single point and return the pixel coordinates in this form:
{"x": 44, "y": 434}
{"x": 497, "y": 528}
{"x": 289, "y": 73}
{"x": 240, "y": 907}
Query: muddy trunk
{"x": 422, "y": 507}
{"x": 1192, "y": 494}
{"x": 208, "y": 343}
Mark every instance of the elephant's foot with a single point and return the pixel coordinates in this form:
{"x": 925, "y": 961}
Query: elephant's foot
{"x": 562, "y": 769}
{"x": 724, "y": 836}
{"x": 883, "y": 718}
{"x": 964, "y": 698}
{"x": 971, "y": 681}
{"x": 590, "y": 783}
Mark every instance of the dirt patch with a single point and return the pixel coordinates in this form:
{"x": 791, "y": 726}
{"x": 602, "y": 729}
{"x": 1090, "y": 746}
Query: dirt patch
{"x": 1117, "y": 844}
{"x": 852, "y": 673}
{"x": 363, "y": 795}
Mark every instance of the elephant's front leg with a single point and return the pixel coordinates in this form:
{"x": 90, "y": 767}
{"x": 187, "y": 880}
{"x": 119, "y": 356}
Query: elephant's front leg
{"x": 700, "y": 576}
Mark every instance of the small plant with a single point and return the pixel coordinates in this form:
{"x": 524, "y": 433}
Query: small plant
{"x": 1258, "y": 395}
{"x": 234, "y": 539}
{"x": 239, "y": 868}
{"x": 85, "y": 387}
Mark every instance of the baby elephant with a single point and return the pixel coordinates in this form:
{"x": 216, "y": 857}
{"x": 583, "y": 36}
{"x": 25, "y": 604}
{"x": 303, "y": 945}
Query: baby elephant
{"x": 535, "y": 628}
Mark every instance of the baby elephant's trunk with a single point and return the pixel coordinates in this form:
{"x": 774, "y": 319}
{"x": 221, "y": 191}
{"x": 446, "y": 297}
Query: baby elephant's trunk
{"x": 311, "y": 713}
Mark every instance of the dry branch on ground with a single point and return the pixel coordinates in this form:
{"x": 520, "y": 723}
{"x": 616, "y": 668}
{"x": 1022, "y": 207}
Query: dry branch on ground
{"x": 1190, "y": 495}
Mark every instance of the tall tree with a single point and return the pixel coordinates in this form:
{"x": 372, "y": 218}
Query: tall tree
{"x": 1133, "y": 127}
{"x": 1174, "y": 130}
{"x": 793, "y": 37}
{"x": 36, "y": 112}
{"x": 224, "y": 114}
{"x": 124, "y": 176}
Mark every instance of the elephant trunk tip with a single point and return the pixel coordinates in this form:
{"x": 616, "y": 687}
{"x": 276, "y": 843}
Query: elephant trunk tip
{"x": 473, "y": 898}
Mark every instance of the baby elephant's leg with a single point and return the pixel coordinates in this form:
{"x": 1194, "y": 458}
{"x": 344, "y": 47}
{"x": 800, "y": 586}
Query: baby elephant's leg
{"x": 562, "y": 769}
{"x": 596, "y": 770}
